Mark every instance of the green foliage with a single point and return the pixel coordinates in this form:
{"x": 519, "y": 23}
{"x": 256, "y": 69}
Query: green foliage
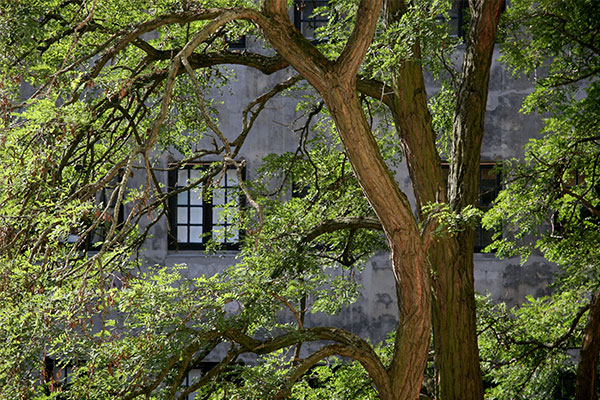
{"x": 551, "y": 199}
{"x": 441, "y": 105}
{"x": 424, "y": 22}
{"x": 527, "y": 352}
{"x": 449, "y": 222}
{"x": 316, "y": 185}
{"x": 556, "y": 41}
{"x": 83, "y": 150}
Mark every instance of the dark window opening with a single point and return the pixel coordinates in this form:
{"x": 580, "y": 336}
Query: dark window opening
{"x": 106, "y": 199}
{"x": 305, "y": 21}
{"x": 198, "y": 215}
{"x": 490, "y": 183}
{"x": 236, "y": 43}
{"x": 458, "y": 18}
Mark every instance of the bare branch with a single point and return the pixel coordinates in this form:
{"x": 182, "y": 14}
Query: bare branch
{"x": 266, "y": 64}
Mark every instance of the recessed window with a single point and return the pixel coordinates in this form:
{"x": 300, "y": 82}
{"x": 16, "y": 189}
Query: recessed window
{"x": 305, "y": 19}
{"x": 238, "y": 43}
{"x": 490, "y": 183}
{"x": 457, "y": 22}
{"x": 106, "y": 199}
{"x": 204, "y": 212}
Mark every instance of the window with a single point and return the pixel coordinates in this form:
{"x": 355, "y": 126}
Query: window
{"x": 490, "y": 183}
{"x": 459, "y": 17}
{"x": 457, "y": 13}
{"x": 305, "y": 21}
{"x": 238, "y": 43}
{"x": 456, "y": 20}
{"x": 198, "y": 215}
{"x": 107, "y": 196}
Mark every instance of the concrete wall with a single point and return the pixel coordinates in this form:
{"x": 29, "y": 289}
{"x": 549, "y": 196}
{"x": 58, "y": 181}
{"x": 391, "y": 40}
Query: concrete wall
{"x": 374, "y": 314}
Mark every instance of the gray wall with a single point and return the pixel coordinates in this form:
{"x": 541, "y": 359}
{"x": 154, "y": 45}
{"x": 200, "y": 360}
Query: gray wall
{"x": 374, "y": 314}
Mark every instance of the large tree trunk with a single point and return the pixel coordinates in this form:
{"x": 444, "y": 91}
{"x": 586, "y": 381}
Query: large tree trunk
{"x": 585, "y": 388}
{"x": 336, "y": 82}
{"x": 409, "y": 260}
{"x": 451, "y": 260}
{"x": 454, "y": 317}
{"x": 455, "y": 339}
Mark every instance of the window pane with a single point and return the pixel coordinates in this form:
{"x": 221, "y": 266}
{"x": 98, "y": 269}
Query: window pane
{"x": 233, "y": 234}
{"x": 195, "y": 234}
{"x": 232, "y": 177}
{"x": 308, "y": 21}
{"x": 182, "y": 215}
{"x": 488, "y": 187}
{"x": 488, "y": 174}
{"x": 218, "y": 196}
{"x": 182, "y": 236}
{"x": 182, "y": 198}
{"x": 218, "y": 233}
{"x": 196, "y": 197}
{"x": 196, "y": 215}
{"x": 194, "y": 175}
{"x": 217, "y": 213}
{"x": 182, "y": 176}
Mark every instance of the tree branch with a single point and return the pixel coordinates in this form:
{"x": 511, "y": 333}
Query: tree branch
{"x": 376, "y": 89}
{"x": 352, "y": 56}
{"x": 266, "y": 64}
{"x": 332, "y": 225}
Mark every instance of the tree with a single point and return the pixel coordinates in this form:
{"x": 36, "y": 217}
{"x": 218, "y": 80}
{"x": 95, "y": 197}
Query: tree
{"x": 551, "y": 201}
{"x": 104, "y": 93}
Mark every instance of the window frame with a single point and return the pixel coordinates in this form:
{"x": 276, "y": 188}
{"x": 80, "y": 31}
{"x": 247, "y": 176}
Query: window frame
{"x": 207, "y": 224}
{"x": 479, "y": 243}
{"x": 236, "y": 44}
{"x": 98, "y": 235}
{"x": 300, "y": 20}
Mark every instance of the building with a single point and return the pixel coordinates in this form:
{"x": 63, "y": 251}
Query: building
{"x": 373, "y": 315}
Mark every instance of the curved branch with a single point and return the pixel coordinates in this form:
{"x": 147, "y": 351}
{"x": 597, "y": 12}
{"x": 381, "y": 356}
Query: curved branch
{"x": 338, "y": 335}
{"x": 332, "y": 225}
{"x": 266, "y": 64}
{"x": 352, "y": 56}
{"x": 260, "y": 103}
{"x": 376, "y": 89}
{"x": 232, "y": 354}
{"x": 308, "y": 363}
{"x": 221, "y": 17}
{"x": 376, "y": 370}
{"x": 347, "y": 344}
{"x": 181, "y": 17}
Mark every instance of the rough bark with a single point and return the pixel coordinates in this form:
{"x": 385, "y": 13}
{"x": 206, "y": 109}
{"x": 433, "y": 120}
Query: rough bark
{"x": 456, "y": 351}
{"x": 587, "y": 368}
{"x": 409, "y": 260}
{"x": 452, "y": 259}
{"x": 336, "y": 82}
{"x": 454, "y": 318}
